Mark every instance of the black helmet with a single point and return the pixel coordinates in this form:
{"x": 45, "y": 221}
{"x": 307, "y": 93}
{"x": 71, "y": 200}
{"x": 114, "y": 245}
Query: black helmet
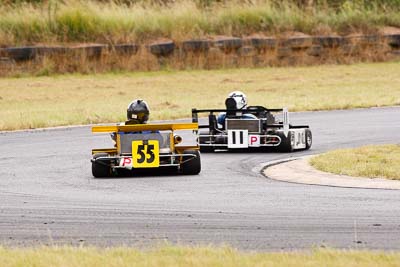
{"x": 138, "y": 112}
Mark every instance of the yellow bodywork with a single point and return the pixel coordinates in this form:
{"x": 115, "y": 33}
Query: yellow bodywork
{"x": 144, "y": 127}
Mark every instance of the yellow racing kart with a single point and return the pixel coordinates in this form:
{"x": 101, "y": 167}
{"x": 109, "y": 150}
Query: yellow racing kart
{"x": 146, "y": 146}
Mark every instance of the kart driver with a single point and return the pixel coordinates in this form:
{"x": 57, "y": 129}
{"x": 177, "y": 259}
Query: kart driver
{"x": 235, "y": 100}
{"x": 138, "y": 112}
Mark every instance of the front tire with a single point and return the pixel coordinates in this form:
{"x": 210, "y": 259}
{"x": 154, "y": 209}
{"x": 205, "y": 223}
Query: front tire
{"x": 192, "y": 166}
{"x": 100, "y": 168}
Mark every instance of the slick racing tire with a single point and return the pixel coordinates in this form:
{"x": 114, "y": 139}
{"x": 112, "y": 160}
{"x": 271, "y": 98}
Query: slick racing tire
{"x": 308, "y": 139}
{"x": 206, "y": 149}
{"x": 192, "y": 166}
{"x": 100, "y": 168}
{"x": 286, "y": 142}
{"x": 205, "y": 140}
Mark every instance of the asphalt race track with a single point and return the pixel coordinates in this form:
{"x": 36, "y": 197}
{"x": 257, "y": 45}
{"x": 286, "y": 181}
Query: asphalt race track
{"x": 48, "y": 195}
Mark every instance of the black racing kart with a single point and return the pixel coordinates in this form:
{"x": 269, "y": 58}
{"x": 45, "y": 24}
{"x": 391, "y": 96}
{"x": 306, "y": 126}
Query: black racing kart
{"x": 253, "y": 127}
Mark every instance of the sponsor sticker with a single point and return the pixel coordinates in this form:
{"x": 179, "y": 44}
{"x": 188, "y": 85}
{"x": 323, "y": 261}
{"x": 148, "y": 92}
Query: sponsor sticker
{"x": 254, "y": 140}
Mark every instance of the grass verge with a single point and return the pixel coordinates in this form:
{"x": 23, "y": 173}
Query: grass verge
{"x": 34, "y": 102}
{"x": 114, "y": 22}
{"x": 373, "y": 161}
{"x": 190, "y": 256}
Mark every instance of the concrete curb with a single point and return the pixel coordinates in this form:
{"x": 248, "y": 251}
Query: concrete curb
{"x": 298, "y": 170}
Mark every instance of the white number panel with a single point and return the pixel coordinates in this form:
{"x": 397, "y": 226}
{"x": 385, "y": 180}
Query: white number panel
{"x": 238, "y": 138}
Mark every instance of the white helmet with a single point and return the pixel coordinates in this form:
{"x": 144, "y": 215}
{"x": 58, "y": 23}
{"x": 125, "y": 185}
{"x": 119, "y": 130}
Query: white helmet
{"x": 240, "y": 100}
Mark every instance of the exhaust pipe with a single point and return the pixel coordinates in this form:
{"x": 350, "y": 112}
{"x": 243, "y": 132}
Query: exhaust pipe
{"x": 177, "y": 139}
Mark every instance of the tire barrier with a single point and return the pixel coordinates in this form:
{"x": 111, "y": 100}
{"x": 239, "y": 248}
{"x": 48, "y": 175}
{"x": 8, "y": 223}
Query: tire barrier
{"x": 20, "y": 53}
{"x": 196, "y": 45}
{"x": 329, "y": 41}
{"x": 297, "y": 42}
{"x": 162, "y": 49}
{"x": 228, "y": 44}
{"x": 220, "y": 51}
{"x": 262, "y": 43}
{"x": 125, "y": 49}
{"x": 364, "y": 40}
{"x": 393, "y": 40}
{"x": 90, "y": 51}
{"x": 51, "y": 50}
{"x": 32, "y": 52}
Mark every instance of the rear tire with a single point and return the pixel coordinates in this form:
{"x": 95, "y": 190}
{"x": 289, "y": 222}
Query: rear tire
{"x": 100, "y": 168}
{"x": 308, "y": 139}
{"x": 192, "y": 166}
{"x": 206, "y": 149}
{"x": 286, "y": 142}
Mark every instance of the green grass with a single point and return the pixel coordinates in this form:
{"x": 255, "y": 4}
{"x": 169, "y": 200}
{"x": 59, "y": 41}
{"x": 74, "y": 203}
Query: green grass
{"x": 369, "y": 161}
{"x": 33, "y": 102}
{"x": 110, "y": 22}
{"x": 190, "y": 257}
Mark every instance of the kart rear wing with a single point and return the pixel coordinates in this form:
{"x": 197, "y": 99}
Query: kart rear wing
{"x": 239, "y": 112}
{"x": 145, "y": 127}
